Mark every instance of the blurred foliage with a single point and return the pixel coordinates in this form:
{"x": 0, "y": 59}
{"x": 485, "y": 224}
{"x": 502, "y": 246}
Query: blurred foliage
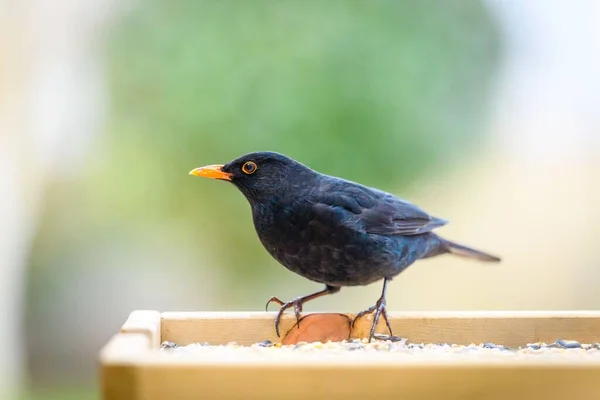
{"x": 85, "y": 393}
{"x": 374, "y": 91}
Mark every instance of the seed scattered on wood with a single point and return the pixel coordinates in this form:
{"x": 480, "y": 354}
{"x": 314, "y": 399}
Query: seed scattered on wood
{"x": 534, "y": 346}
{"x": 568, "y": 344}
{"x": 495, "y": 346}
{"x": 390, "y": 347}
{"x": 352, "y": 346}
{"x": 392, "y": 338}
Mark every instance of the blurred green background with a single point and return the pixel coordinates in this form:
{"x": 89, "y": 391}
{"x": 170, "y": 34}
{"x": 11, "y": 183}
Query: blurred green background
{"x": 401, "y": 95}
{"x": 368, "y": 91}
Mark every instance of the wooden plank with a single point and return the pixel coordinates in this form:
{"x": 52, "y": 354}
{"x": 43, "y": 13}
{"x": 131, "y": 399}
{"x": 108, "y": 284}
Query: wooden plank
{"x": 133, "y": 368}
{"x": 131, "y": 344}
{"x": 118, "y": 359}
{"x": 120, "y": 382}
{"x": 146, "y": 322}
{"x": 511, "y": 329}
{"x": 375, "y": 382}
{"x": 221, "y": 327}
{"x": 118, "y": 373}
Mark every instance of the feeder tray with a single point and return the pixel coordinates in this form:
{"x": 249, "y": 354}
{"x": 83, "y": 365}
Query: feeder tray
{"x": 134, "y": 365}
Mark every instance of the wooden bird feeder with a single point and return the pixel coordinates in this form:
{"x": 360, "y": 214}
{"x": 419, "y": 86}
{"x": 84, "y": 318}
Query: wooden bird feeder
{"x": 133, "y": 366}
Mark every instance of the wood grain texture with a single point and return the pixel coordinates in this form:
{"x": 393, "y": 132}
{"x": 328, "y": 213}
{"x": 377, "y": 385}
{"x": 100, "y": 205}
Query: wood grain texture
{"x": 375, "y": 382}
{"x": 511, "y": 329}
{"x": 132, "y": 368}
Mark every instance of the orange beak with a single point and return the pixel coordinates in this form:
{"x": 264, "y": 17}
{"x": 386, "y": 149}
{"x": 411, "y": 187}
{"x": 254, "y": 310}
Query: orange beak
{"x": 212, "y": 172}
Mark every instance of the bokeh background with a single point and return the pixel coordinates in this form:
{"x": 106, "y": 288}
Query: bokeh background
{"x": 482, "y": 112}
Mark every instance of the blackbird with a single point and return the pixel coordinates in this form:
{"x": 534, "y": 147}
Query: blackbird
{"x": 331, "y": 230}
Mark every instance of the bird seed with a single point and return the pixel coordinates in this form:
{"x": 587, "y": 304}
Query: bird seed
{"x": 399, "y": 348}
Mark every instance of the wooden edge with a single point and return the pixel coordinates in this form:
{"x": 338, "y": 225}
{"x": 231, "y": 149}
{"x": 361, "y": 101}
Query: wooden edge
{"x": 140, "y": 332}
{"x": 133, "y": 346}
{"x": 195, "y": 315}
{"x": 119, "y": 377}
{"x": 119, "y": 373}
{"x": 119, "y": 365}
{"x": 345, "y": 361}
{"x": 508, "y": 328}
{"x": 146, "y": 322}
{"x": 125, "y": 344}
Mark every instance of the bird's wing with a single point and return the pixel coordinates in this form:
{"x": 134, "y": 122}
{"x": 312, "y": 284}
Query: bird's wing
{"x": 373, "y": 211}
{"x": 392, "y": 216}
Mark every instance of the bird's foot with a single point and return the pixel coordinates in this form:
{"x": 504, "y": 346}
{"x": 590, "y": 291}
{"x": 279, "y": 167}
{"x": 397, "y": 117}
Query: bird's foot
{"x": 296, "y": 303}
{"x": 380, "y": 310}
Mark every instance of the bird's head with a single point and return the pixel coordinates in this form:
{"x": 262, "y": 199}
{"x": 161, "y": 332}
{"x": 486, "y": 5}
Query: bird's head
{"x": 259, "y": 175}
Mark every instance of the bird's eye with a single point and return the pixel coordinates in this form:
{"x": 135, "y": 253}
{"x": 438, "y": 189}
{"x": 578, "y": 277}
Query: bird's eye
{"x": 249, "y": 167}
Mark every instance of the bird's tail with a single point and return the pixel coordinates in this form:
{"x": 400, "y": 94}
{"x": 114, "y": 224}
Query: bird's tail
{"x": 464, "y": 251}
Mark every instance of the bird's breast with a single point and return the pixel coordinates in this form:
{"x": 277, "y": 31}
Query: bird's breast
{"x": 322, "y": 251}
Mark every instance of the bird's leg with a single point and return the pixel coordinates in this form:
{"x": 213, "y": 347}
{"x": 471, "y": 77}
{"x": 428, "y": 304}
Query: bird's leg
{"x": 379, "y": 309}
{"x": 297, "y": 303}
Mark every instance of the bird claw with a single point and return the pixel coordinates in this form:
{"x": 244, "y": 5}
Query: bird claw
{"x": 273, "y": 300}
{"x": 296, "y": 303}
{"x": 379, "y": 309}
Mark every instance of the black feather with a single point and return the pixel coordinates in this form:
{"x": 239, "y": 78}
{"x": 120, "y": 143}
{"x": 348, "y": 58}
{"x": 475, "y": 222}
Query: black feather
{"x": 335, "y": 231}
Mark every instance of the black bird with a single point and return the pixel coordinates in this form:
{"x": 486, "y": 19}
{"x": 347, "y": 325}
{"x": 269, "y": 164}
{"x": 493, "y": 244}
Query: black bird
{"x": 331, "y": 230}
